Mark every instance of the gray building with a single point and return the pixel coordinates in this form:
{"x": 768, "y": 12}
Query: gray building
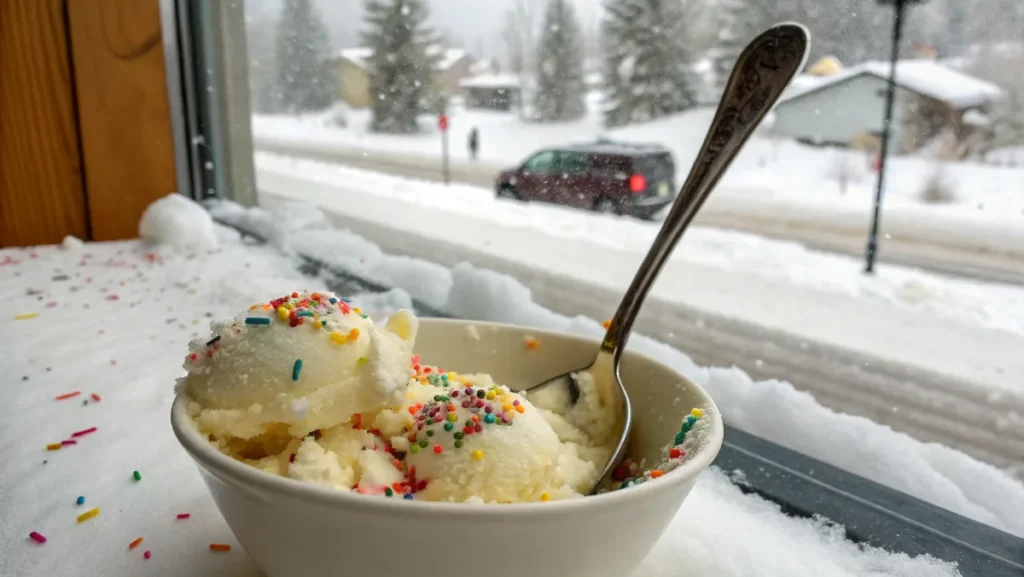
{"x": 844, "y": 108}
{"x": 492, "y": 91}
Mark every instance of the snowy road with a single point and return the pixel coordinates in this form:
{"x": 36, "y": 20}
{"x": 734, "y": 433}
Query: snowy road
{"x": 906, "y": 245}
{"x": 934, "y": 378}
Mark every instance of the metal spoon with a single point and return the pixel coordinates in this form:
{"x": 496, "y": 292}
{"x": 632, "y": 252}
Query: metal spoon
{"x": 762, "y": 72}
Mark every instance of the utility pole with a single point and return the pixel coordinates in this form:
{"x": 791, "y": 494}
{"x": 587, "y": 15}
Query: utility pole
{"x": 890, "y": 97}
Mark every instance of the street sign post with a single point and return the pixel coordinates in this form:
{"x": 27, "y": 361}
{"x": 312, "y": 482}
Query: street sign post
{"x": 900, "y": 7}
{"x": 442, "y": 125}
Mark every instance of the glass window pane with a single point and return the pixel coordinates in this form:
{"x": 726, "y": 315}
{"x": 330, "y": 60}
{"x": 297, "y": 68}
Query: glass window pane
{"x": 542, "y": 162}
{"x": 424, "y": 110}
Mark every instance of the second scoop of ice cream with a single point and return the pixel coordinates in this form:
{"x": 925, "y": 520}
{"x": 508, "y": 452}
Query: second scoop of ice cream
{"x": 475, "y": 439}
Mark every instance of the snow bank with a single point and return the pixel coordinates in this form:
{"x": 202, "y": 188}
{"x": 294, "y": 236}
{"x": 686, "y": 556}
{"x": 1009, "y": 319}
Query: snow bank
{"x": 72, "y": 243}
{"x": 366, "y": 260}
{"x": 724, "y": 533}
{"x": 276, "y": 228}
{"x": 986, "y": 304}
{"x": 178, "y": 223}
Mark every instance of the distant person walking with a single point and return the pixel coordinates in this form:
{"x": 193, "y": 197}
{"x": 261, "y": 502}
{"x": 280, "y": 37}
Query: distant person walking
{"x": 474, "y": 143}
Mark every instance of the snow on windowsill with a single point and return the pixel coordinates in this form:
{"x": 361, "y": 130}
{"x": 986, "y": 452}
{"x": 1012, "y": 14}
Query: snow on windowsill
{"x": 113, "y": 319}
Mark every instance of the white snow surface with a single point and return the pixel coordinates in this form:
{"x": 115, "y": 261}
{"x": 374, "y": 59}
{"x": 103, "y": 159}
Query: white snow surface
{"x": 114, "y": 319}
{"x": 773, "y": 181}
{"x": 177, "y": 222}
{"x": 989, "y": 305}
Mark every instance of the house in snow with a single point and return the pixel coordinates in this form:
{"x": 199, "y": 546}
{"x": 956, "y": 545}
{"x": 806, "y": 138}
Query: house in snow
{"x": 848, "y": 106}
{"x": 492, "y": 91}
{"x": 353, "y": 69}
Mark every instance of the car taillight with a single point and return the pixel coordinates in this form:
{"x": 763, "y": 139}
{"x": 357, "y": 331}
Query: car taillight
{"x": 637, "y": 183}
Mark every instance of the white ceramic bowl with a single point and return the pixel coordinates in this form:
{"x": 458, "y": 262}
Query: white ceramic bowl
{"x": 293, "y": 529}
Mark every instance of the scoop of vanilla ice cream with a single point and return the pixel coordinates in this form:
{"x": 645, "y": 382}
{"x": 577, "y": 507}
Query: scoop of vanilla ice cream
{"x": 308, "y": 360}
{"x": 341, "y": 457}
{"x": 477, "y": 440}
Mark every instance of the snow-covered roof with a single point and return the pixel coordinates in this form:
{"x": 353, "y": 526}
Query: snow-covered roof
{"x": 490, "y": 81}
{"x": 448, "y": 56}
{"x": 483, "y": 66}
{"x": 802, "y": 83}
{"x": 925, "y": 77}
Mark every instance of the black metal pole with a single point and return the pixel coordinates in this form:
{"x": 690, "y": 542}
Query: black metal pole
{"x": 890, "y": 97}
{"x": 444, "y": 154}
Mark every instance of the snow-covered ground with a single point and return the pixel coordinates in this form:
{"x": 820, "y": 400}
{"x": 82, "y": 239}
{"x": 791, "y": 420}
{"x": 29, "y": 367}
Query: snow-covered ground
{"x": 112, "y": 319}
{"x": 783, "y": 173}
{"x": 985, "y": 304}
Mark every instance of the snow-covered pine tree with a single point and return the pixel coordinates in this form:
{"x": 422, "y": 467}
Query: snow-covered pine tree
{"x": 739, "y": 22}
{"x": 305, "y": 79}
{"x": 403, "y": 65}
{"x": 732, "y": 35}
{"x": 560, "y": 87}
{"x": 646, "y": 60}
{"x": 260, "y": 42}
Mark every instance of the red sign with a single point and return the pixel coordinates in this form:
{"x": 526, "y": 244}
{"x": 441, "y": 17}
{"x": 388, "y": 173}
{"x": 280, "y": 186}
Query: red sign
{"x": 442, "y": 122}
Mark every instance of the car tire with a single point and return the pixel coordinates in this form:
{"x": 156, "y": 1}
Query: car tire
{"x": 606, "y": 206}
{"x": 508, "y": 191}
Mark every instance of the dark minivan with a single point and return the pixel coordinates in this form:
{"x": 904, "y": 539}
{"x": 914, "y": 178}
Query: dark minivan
{"x": 613, "y": 177}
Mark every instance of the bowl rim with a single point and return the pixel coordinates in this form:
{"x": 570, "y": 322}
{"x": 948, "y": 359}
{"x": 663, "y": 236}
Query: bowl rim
{"x": 218, "y": 464}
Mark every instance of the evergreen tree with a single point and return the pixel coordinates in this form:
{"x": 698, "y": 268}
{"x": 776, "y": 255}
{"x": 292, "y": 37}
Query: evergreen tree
{"x": 646, "y": 58}
{"x": 260, "y": 41}
{"x": 403, "y": 66}
{"x": 305, "y": 79}
{"x": 560, "y": 87}
{"x": 739, "y": 21}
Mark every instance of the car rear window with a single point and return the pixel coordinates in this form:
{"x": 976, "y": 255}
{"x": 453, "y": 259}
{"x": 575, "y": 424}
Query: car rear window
{"x": 658, "y": 165}
{"x": 609, "y": 165}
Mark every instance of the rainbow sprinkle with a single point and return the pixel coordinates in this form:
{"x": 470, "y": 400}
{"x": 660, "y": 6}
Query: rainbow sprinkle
{"x": 184, "y": 515}
{"x": 37, "y": 537}
{"x": 135, "y": 543}
{"x": 628, "y": 474}
{"x": 136, "y": 475}
{"x": 88, "y": 515}
{"x": 80, "y": 500}
{"x": 54, "y": 446}
{"x": 84, "y": 432}
{"x": 147, "y": 554}
{"x": 320, "y": 312}
{"x": 25, "y": 316}
{"x": 67, "y": 395}
{"x": 95, "y": 397}
{"x": 222, "y": 547}
{"x": 460, "y": 411}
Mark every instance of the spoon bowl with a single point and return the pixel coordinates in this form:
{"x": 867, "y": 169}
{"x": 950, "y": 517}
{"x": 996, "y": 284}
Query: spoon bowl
{"x": 762, "y": 72}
